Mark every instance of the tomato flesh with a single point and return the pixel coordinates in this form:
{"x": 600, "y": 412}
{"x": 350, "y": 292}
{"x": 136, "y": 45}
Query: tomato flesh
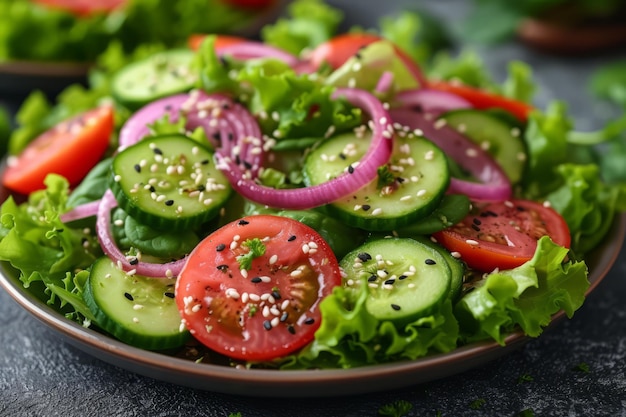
{"x": 70, "y": 149}
{"x": 268, "y": 311}
{"x": 484, "y": 100}
{"x": 503, "y": 235}
{"x": 83, "y": 7}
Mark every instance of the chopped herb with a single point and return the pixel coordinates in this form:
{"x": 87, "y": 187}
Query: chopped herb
{"x": 256, "y": 248}
{"x": 477, "y": 403}
{"x": 395, "y": 409}
{"x": 582, "y": 367}
{"x": 525, "y": 378}
{"x": 237, "y": 414}
{"x": 526, "y": 413}
{"x": 385, "y": 177}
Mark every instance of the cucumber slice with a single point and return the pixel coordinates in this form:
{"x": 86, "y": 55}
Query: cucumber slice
{"x": 457, "y": 267}
{"x": 157, "y": 76}
{"x": 169, "y": 183}
{"x": 137, "y": 310}
{"x": 407, "y": 279}
{"x": 407, "y": 189}
{"x": 501, "y": 139}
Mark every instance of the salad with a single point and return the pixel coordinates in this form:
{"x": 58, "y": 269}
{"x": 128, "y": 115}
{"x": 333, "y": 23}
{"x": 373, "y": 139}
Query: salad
{"x": 317, "y": 200}
{"x": 80, "y": 30}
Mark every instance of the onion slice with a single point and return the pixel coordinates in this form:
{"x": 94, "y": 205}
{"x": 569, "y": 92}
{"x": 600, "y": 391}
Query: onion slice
{"x": 494, "y": 185}
{"x": 107, "y": 242}
{"x": 305, "y": 198}
{"x": 252, "y": 49}
{"x": 431, "y": 101}
{"x": 228, "y": 125}
{"x": 80, "y": 212}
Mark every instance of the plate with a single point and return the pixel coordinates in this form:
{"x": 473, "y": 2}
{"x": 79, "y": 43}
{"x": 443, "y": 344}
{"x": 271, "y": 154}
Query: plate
{"x": 301, "y": 383}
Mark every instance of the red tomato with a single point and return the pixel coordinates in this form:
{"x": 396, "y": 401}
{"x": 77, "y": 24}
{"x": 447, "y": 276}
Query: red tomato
{"x": 252, "y": 4}
{"x": 70, "y": 149}
{"x": 83, "y": 7}
{"x": 485, "y": 100}
{"x": 265, "y": 312}
{"x": 221, "y": 41}
{"x": 503, "y": 235}
{"x": 339, "y": 49}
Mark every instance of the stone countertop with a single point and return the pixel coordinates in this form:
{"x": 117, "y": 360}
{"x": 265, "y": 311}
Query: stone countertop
{"x": 578, "y": 368}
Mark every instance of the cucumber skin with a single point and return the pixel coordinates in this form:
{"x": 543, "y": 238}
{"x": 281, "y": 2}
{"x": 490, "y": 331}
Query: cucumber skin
{"x": 163, "y": 220}
{"x": 165, "y": 340}
{"x": 344, "y": 208}
{"x": 378, "y": 307}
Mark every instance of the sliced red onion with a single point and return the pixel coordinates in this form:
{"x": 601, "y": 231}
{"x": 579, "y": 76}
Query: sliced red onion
{"x": 304, "y": 198}
{"x": 431, "y": 101}
{"x": 494, "y": 185}
{"x": 81, "y": 212}
{"x": 228, "y": 125}
{"x": 252, "y": 49}
{"x": 103, "y": 230}
{"x": 384, "y": 82}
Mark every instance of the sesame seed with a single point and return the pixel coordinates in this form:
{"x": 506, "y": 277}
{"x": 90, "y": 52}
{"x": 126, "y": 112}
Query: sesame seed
{"x": 472, "y": 242}
{"x": 395, "y": 307}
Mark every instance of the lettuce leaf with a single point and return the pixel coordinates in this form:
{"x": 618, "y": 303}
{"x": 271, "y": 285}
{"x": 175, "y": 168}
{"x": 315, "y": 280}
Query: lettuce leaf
{"x": 38, "y": 245}
{"x": 526, "y": 296}
{"x": 350, "y": 336}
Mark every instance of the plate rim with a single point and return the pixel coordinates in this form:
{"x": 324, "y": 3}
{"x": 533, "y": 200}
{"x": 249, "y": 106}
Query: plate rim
{"x": 296, "y": 383}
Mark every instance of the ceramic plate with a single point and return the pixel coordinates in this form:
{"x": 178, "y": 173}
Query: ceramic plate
{"x": 306, "y": 383}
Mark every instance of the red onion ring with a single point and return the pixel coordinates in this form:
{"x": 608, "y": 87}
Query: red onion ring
{"x": 251, "y": 49}
{"x": 431, "y": 101}
{"x": 318, "y": 195}
{"x": 107, "y": 242}
{"x": 495, "y": 185}
{"x": 80, "y": 212}
{"x": 228, "y": 125}
{"x": 384, "y": 82}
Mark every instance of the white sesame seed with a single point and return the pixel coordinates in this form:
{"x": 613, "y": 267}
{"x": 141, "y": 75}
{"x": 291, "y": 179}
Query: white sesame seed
{"x": 472, "y": 242}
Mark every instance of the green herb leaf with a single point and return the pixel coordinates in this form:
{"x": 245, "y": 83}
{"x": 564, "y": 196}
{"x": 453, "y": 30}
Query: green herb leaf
{"x": 397, "y": 408}
{"x": 256, "y": 248}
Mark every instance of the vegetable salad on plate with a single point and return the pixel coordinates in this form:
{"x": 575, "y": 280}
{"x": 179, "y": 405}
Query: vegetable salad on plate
{"x": 312, "y": 200}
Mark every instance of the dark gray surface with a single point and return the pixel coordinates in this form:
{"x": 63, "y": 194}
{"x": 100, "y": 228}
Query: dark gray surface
{"x": 42, "y": 375}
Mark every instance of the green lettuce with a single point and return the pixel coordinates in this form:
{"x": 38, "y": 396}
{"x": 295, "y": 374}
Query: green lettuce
{"x": 526, "y": 296}
{"x": 45, "y": 251}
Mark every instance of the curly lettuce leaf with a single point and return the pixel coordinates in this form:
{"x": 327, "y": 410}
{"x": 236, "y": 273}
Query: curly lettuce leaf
{"x": 350, "y": 336}
{"x": 526, "y": 296}
{"x": 44, "y": 250}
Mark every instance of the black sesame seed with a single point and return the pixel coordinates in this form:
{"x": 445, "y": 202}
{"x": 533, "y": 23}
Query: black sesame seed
{"x": 129, "y": 296}
{"x": 366, "y": 207}
{"x": 169, "y": 294}
{"x": 222, "y": 267}
{"x": 137, "y": 168}
{"x": 430, "y": 262}
{"x": 401, "y": 277}
{"x": 475, "y": 227}
{"x": 284, "y": 316}
{"x": 201, "y": 188}
{"x": 256, "y": 280}
{"x": 291, "y": 329}
{"x": 169, "y": 202}
{"x": 364, "y": 256}
{"x": 230, "y": 137}
{"x": 220, "y": 247}
{"x": 395, "y": 307}
{"x": 342, "y": 156}
{"x": 310, "y": 320}
{"x": 390, "y": 281}
{"x": 476, "y": 221}
{"x": 267, "y": 324}
{"x": 204, "y": 162}
{"x": 157, "y": 151}
{"x": 134, "y": 261}
{"x": 351, "y": 169}
{"x": 152, "y": 189}
{"x": 243, "y": 222}
{"x": 247, "y": 165}
{"x": 276, "y": 295}
{"x": 372, "y": 278}
{"x": 291, "y": 238}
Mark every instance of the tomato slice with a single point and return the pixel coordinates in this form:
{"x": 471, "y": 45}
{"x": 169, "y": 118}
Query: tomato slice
{"x": 485, "y": 100}
{"x": 503, "y": 235}
{"x": 336, "y": 51}
{"x": 221, "y": 41}
{"x": 83, "y": 7}
{"x": 70, "y": 149}
{"x": 269, "y": 310}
